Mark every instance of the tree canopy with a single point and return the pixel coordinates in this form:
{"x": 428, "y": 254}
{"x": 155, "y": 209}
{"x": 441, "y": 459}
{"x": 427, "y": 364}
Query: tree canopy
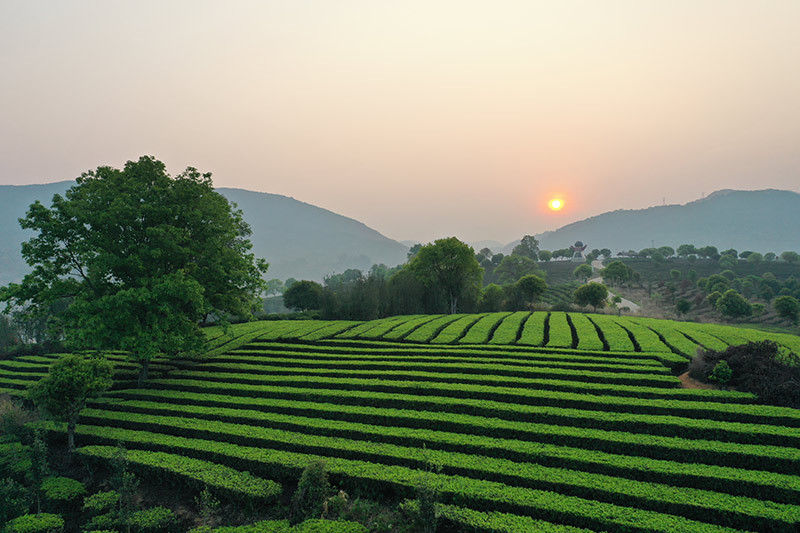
{"x": 450, "y": 265}
{"x": 71, "y": 380}
{"x": 594, "y": 294}
{"x": 141, "y": 258}
{"x": 528, "y": 247}
{"x": 303, "y": 295}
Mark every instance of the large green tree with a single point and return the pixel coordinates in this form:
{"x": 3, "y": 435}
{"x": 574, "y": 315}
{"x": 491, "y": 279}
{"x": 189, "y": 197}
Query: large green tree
{"x": 448, "y": 265}
{"x": 141, "y": 257}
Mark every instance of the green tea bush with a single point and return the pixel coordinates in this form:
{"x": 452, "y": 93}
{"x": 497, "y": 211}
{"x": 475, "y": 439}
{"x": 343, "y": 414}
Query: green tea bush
{"x": 62, "y": 489}
{"x": 35, "y": 523}
{"x": 722, "y": 373}
{"x": 101, "y": 501}
{"x": 154, "y": 520}
{"x": 13, "y": 500}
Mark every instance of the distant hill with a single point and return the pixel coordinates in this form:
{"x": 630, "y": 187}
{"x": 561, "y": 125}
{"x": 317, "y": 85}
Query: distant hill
{"x": 762, "y": 221}
{"x": 298, "y": 239}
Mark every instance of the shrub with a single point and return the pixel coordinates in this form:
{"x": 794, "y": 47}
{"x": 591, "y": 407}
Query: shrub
{"x": 722, "y": 373}
{"x": 328, "y": 526}
{"x": 733, "y": 305}
{"x": 101, "y": 502}
{"x": 62, "y": 489}
{"x": 15, "y": 460}
{"x": 101, "y": 522}
{"x": 13, "y": 419}
{"x": 13, "y": 500}
{"x": 682, "y": 306}
{"x": 153, "y": 520}
{"x": 36, "y": 523}
{"x": 713, "y": 297}
{"x": 756, "y": 367}
{"x": 787, "y": 307}
{"x": 311, "y": 493}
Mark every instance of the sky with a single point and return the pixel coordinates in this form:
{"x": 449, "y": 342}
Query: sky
{"x": 421, "y": 119}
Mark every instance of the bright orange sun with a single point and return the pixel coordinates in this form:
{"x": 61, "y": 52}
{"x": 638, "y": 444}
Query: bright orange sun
{"x": 556, "y": 204}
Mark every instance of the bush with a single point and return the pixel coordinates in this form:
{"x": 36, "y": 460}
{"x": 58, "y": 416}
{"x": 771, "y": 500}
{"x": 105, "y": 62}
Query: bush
{"x": 36, "y": 523}
{"x": 311, "y": 493}
{"x": 757, "y": 367}
{"x": 13, "y": 419}
{"x": 101, "y": 502}
{"x": 62, "y": 489}
{"x": 722, "y": 373}
{"x": 13, "y": 500}
{"x": 153, "y": 520}
{"x": 787, "y": 307}
{"x": 733, "y": 305}
{"x": 15, "y": 460}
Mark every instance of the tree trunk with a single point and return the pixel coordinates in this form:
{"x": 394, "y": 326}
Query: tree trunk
{"x": 143, "y": 372}
{"x": 453, "y": 304}
{"x": 71, "y": 436}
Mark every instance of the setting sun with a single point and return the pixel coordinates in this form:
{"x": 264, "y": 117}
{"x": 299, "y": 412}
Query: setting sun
{"x": 556, "y": 204}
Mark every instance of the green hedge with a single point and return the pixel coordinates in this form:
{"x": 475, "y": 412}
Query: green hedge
{"x": 777, "y": 487}
{"x": 506, "y": 332}
{"x": 427, "y": 331}
{"x": 512, "y": 423}
{"x": 221, "y": 479}
{"x": 559, "y": 332}
{"x": 534, "y": 329}
{"x": 35, "y": 523}
{"x": 400, "y": 331}
{"x": 588, "y": 339}
{"x": 455, "y": 330}
{"x": 480, "y": 332}
{"x": 62, "y": 489}
{"x": 616, "y": 337}
{"x": 419, "y": 392}
{"x": 457, "y": 490}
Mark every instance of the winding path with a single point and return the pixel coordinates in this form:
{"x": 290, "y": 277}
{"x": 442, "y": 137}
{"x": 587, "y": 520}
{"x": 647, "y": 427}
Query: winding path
{"x": 634, "y": 308}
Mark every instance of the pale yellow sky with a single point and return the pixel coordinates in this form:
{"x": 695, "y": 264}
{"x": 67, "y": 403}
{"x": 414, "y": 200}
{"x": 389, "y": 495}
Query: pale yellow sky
{"x": 419, "y": 118}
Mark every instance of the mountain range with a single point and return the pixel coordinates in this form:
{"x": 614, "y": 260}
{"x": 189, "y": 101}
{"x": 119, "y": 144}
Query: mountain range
{"x": 298, "y": 240}
{"x": 304, "y": 241}
{"x": 763, "y": 221}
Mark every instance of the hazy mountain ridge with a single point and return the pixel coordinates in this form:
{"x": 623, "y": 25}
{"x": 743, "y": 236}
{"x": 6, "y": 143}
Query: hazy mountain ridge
{"x": 298, "y": 239}
{"x": 763, "y": 221}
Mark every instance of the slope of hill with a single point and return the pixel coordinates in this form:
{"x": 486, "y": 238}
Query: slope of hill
{"x": 535, "y": 422}
{"x": 762, "y": 221}
{"x": 298, "y": 239}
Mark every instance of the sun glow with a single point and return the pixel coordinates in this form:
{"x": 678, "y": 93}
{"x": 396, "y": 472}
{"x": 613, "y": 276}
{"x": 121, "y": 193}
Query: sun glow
{"x": 556, "y": 204}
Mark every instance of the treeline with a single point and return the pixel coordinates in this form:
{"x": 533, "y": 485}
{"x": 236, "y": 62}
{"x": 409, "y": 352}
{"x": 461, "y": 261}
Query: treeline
{"x": 445, "y": 276}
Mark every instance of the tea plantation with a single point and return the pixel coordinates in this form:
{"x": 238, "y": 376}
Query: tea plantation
{"x": 552, "y": 422}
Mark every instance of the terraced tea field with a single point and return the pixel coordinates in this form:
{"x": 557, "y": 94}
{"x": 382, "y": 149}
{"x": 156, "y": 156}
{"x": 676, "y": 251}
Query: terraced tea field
{"x": 554, "y": 422}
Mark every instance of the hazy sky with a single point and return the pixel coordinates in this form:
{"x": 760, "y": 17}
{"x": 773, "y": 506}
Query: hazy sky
{"x": 421, "y": 119}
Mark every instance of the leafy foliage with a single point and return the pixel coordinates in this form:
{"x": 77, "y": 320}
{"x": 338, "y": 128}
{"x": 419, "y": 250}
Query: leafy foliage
{"x": 142, "y": 257}
{"x": 71, "y": 381}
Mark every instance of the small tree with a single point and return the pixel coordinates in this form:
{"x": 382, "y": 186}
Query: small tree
{"x": 312, "y": 491}
{"x": 733, "y": 305}
{"x": 63, "y": 392}
{"x": 790, "y": 257}
{"x": 682, "y": 306}
{"x": 545, "y": 255}
{"x": 303, "y": 295}
{"x": 529, "y": 289}
{"x": 617, "y": 272}
{"x": 126, "y": 484}
{"x": 582, "y": 272}
{"x": 39, "y": 468}
{"x": 594, "y": 294}
{"x": 492, "y": 298}
{"x": 528, "y": 247}
{"x": 787, "y": 307}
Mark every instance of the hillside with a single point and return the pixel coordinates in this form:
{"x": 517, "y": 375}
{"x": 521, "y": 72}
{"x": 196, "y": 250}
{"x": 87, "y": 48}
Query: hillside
{"x": 298, "y": 239}
{"x": 762, "y": 221}
{"x": 537, "y": 422}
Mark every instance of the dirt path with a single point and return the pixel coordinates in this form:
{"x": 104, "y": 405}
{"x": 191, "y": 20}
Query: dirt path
{"x": 634, "y": 307}
{"x": 688, "y": 382}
